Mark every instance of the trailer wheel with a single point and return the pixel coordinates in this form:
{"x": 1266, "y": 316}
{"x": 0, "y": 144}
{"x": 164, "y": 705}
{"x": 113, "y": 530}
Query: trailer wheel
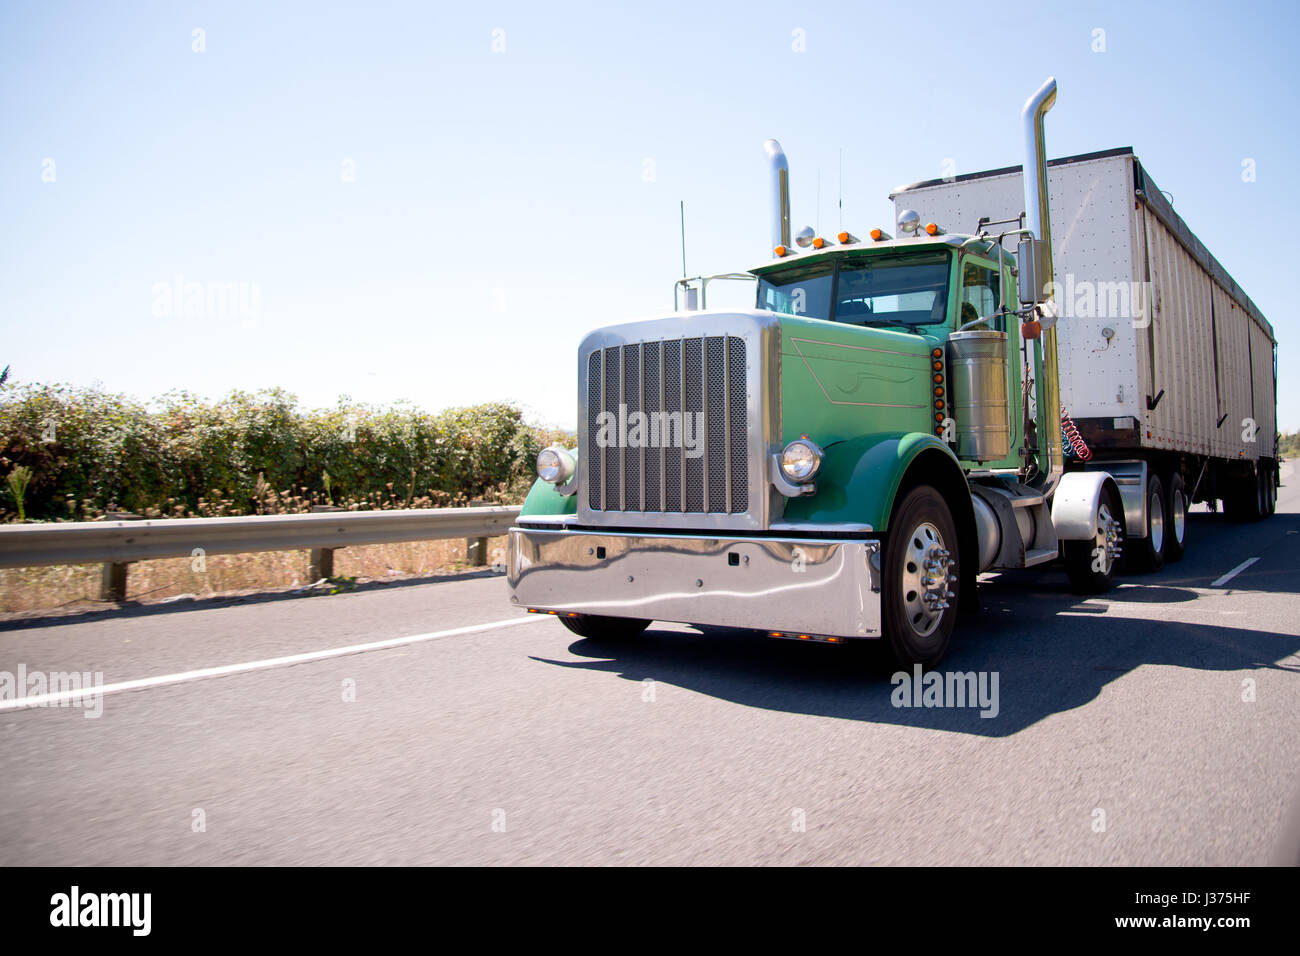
{"x": 1268, "y": 492}
{"x": 1148, "y": 554}
{"x": 1090, "y": 564}
{"x": 1176, "y": 520}
{"x": 601, "y": 628}
{"x": 919, "y": 590}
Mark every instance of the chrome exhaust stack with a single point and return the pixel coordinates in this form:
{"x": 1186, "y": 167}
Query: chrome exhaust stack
{"x": 1037, "y": 281}
{"x": 780, "y": 195}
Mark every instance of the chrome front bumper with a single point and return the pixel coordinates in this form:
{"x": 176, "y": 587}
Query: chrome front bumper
{"x": 809, "y": 586}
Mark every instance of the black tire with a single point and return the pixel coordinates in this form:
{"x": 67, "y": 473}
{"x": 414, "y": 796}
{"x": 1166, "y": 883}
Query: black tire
{"x": 600, "y": 628}
{"x": 1270, "y": 490}
{"x": 1091, "y": 572}
{"x": 921, "y": 530}
{"x": 1146, "y": 555}
{"x": 1176, "y": 519}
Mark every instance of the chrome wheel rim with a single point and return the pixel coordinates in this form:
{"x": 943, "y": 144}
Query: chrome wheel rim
{"x": 1156, "y": 523}
{"x": 926, "y": 579}
{"x": 1178, "y": 505}
{"x": 1106, "y": 541}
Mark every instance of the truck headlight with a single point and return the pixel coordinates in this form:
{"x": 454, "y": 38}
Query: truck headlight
{"x": 555, "y": 465}
{"x": 801, "y": 460}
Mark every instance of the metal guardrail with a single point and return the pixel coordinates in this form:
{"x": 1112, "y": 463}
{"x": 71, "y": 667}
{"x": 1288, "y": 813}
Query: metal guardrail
{"x": 119, "y": 543}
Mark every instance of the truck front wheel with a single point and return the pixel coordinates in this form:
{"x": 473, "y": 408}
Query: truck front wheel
{"x": 921, "y": 571}
{"x": 1091, "y": 563}
{"x": 600, "y": 628}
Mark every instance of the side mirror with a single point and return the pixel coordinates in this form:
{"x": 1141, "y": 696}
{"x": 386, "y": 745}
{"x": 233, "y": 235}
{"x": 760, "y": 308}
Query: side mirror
{"x": 1034, "y": 263}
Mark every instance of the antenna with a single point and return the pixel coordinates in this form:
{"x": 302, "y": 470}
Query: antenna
{"x": 841, "y": 203}
{"x": 819, "y": 201}
{"x": 683, "y": 202}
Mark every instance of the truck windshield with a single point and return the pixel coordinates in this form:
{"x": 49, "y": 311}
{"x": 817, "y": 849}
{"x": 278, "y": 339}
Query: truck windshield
{"x": 904, "y": 291}
{"x": 803, "y": 290}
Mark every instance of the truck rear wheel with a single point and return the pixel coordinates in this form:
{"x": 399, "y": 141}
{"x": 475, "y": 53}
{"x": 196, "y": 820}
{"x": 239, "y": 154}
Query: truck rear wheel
{"x": 1176, "y": 519}
{"x": 1090, "y": 563}
{"x": 1148, "y": 554}
{"x": 600, "y": 628}
{"x": 919, "y": 591}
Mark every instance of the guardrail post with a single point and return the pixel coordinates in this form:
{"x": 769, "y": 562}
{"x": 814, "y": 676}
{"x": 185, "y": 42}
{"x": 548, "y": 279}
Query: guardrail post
{"x": 322, "y": 559}
{"x": 112, "y": 582}
{"x": 476, "y": 548}
{"x": 322, "y": 564}
{"x": 112, "y": 577}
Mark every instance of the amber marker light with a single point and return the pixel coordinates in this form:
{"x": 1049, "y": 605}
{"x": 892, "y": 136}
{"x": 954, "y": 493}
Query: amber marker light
{"x": 846, "y": 237}
{"x": 818, "y": 242}
{"x": 931, "y": 229}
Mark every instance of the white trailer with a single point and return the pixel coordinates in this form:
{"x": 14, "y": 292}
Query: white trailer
{"x": 1167, "y": 368}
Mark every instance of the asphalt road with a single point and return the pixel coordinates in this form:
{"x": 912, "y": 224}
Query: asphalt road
{"x": 1155, "y": 725}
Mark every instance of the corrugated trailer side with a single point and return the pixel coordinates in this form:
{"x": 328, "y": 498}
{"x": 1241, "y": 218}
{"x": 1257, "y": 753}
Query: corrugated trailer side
{"x": 1264, "y": 380}
{"x": 1207, "y": 345}
{"x": 1175, "y": 348}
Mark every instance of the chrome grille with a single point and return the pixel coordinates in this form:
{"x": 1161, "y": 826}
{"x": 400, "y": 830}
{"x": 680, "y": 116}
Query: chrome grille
{"x": 703, "y": 377}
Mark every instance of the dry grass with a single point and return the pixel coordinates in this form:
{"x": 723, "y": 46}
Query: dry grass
{"x": 77, "y": 586}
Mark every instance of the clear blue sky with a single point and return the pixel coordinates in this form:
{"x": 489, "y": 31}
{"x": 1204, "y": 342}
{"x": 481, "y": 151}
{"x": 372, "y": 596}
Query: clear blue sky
{"x": 500, "y": 207}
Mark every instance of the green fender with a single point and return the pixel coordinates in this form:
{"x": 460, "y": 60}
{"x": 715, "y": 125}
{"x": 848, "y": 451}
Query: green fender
{"x": 543, "y": 499}
{"x": 860, "y": 476}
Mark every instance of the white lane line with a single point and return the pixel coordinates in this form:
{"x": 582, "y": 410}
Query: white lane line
{"x": 45, "y": 700}
{"x": 1233, "y": 573}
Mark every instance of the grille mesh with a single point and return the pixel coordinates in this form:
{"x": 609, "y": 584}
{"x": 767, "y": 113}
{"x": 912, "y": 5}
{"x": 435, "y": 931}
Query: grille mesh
{"x": 693, "y": 395}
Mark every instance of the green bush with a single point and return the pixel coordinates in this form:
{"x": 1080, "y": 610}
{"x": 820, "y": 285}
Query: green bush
{"x": 90, "y": 452}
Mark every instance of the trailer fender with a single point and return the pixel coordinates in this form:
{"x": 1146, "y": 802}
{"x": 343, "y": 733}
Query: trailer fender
{"x": 1075, "y": 503}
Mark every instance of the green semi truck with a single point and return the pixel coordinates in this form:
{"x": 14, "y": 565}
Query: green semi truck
{"x": 840, "y": 462}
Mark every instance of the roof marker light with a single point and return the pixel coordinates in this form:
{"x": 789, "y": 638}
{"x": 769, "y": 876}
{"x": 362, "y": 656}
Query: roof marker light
{"x": 879, "y": 235}
{"x": 847, "y": 237}
{"x": 932, "y": 230}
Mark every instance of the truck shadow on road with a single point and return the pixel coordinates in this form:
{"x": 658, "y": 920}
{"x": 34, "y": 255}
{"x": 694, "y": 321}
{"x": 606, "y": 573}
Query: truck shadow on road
{"x": 1055, "y": 653}
{"x": 1051, "y": 650}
